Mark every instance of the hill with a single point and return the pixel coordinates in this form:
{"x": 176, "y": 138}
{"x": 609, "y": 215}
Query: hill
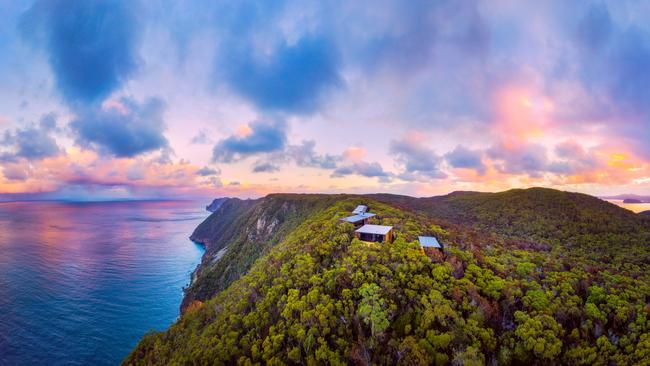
{"x": 645, "y": 213}
{"x": 563, "y": 220}
{"x": 537, "y": 213}
{"x": 508, "y": 289}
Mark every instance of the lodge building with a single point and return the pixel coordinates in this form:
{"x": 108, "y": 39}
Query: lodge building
{"x": 375, "y": 233}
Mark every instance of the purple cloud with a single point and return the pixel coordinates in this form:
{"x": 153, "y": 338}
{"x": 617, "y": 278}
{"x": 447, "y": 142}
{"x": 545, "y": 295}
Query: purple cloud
{"x": 417, "y": 161}
{"x": 127, "y": 130}
{"x": 264, "y": 137}
{"x": 462, "y": 157}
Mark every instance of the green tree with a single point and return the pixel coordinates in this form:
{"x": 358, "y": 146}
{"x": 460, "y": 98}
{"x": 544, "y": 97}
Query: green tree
{"x": 538, "y": 337}
{"x": 372, "y": 308}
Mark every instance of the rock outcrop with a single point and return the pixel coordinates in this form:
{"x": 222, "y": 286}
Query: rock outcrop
{"x": 216, "y": 203}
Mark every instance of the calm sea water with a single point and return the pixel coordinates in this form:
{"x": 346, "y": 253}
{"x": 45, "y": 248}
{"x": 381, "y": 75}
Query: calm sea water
{"x": 80, "y": 283}
{"x": 635, "y": 207}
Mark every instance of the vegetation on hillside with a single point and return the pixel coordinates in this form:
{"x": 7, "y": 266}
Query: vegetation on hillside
{"x": 576, "y": 224}
{"x": 322, "y": 297}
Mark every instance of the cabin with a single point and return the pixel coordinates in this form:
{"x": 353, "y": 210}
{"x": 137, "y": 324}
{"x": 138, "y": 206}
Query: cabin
{"x": 360, "y": 210}
{"x": 375, "y": 233}
{"x": 358, "y": 220}
{"x": 428, "y": 243}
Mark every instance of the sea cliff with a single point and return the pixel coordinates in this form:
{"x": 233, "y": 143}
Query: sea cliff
{"x": 239, "y": 232}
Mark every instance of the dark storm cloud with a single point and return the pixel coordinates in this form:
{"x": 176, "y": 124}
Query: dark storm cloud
{"x": 91, "y": 45}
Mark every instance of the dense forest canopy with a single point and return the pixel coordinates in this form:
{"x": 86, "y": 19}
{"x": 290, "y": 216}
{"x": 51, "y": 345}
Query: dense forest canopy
{"x": 527, "y": 277}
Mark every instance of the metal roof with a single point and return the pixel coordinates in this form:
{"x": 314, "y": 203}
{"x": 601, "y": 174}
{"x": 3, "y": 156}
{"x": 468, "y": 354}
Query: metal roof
{"x": 360, "y": 209}
{"x": 374, "y": 229}
{"x": 357, "y": 218}
{"x": 429, "y": 242}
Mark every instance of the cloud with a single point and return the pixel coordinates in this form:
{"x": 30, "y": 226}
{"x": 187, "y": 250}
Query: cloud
{"x": 613, "y": 71}
{"x": 525, "y": 158}
{"x": 32, "y": 142}
{"x": 517, "y": 76}
{"x": 594, "y": 27}
{"x": 414, "y": 33}
{"x": 417, "y": 161}
{"x": 85, "y": 174}
{"x": 572, "y": 159}
{"x": 462, "y": 157}
{"x": 305, "y": 155}
{"x": 215, "y": 182}
{"x": 124, "y": 128}
{"x": 91, "y": 45}
{"x": 135, "y": 172}
{"x": 15, "y": 172}
{"x": 265, "y": 167}
{"x": 364, "y": 169}
{"x": 201, "y": 138}
{"x": 628, "y": 75}
{"x": 351, "y": 163}
{"x": 206, "y": 172}
{"x": 293, "y": 77}
{"x": 261, "y": 137}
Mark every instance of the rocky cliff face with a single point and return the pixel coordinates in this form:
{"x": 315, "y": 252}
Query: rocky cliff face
{"x": 239, "y": 232}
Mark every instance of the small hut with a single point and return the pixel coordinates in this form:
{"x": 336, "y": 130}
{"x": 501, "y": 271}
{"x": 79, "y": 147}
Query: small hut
{"x": 375, "y": 233}
{"x": 360, "y": 210}
{"x": 429, "y": 242}
{"x": 358, "y": 220}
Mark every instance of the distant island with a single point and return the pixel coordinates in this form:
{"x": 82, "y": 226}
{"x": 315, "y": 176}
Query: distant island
{"x": 629, "y": 198}
{"x": 216, "y": 203}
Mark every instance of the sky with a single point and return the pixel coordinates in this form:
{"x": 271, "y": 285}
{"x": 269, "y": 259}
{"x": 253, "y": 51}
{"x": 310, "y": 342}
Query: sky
{"x": 165, "y": 99}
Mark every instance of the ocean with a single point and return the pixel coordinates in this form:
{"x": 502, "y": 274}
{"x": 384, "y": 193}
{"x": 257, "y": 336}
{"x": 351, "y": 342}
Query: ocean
{"x": 634, "y": 207}
{"x": 80, "y": 283}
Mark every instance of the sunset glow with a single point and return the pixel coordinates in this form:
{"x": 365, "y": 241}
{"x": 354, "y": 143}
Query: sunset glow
{"x": 294, "y": 98}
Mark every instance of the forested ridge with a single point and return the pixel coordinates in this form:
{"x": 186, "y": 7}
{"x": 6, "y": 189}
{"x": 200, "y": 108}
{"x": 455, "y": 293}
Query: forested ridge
{"x": 522, "y": 281}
